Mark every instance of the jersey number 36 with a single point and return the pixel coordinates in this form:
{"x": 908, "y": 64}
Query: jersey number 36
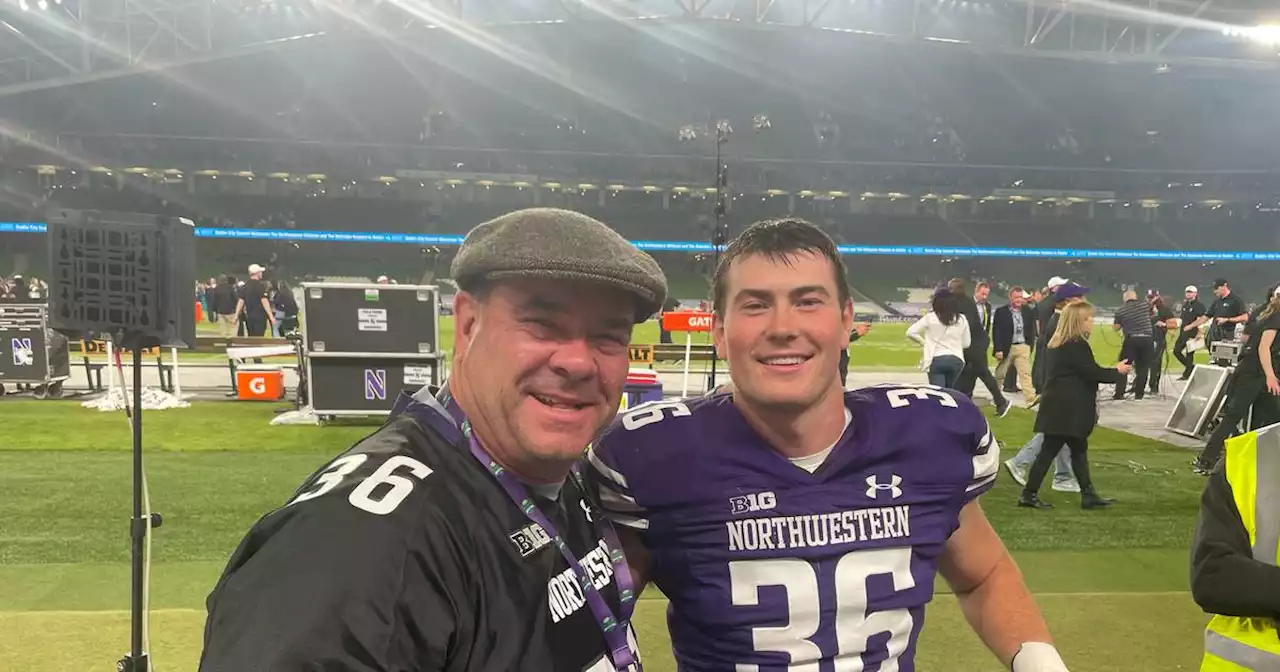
{"x": 854, "y": 624}
{"x": 369, "y": 495}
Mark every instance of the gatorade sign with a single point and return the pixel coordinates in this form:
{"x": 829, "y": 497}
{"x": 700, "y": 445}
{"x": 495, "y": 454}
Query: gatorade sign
{"x": 686, "y": 321}
{"x": 258, "y": 386}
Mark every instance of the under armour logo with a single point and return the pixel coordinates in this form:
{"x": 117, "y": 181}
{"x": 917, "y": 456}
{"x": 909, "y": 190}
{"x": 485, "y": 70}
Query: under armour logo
{"x": 874, "y": 487}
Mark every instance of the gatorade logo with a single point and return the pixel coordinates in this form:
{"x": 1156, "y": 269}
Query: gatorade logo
{"x": 258, "y": 385}
{"x": 700, "y": 322}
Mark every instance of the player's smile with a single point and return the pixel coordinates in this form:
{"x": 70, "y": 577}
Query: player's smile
{"x": 786, "y": 363}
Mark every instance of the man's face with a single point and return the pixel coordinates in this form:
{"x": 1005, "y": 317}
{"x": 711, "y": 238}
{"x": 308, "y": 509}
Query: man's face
{"x": 1222, "y": 291}
{"x": 981, "y": 293}
{"x": 782, "y": 329}
{"x": 1017, "y": 299}
{"x": 1189, "y": 296}
{"x": 543, "y": 362}
{"x": 1037, "y": 296}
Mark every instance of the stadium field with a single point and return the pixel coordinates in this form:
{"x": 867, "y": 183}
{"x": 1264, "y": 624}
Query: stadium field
{"x": 1112, "y": 583}
{"x": 884, "y": 347}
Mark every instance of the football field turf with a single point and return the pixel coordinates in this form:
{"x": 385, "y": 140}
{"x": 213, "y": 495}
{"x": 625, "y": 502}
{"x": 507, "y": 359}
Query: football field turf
{"x": 1113, "y": 583}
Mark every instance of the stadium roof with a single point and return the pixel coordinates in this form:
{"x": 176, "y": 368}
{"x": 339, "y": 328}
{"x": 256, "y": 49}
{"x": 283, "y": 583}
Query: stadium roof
{"x": 54, "y": 43}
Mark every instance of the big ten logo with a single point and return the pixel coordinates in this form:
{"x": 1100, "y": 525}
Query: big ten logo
{"x": 100, "y": 348}
{"x": 530, "y": 539}
{"x": 755, "y": 501}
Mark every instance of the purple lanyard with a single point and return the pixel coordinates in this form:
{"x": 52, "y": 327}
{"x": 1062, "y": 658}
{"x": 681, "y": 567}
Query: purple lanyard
{"x": 614, "y": 629}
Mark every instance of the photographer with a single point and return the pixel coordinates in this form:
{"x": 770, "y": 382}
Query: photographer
{"x": 1254, "y": 380}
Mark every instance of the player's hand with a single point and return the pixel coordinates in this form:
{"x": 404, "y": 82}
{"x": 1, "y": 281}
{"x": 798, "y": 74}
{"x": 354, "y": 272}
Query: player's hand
{"x": 1038, "y": 657}
{"x": 861, "y": 328}
{"x": 1220, "y": 320}
{"x": 1124, "y": 367}
{"x": 1273, "y": 385}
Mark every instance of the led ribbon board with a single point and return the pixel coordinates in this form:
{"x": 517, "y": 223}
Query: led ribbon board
{"x": 699, "y": 246}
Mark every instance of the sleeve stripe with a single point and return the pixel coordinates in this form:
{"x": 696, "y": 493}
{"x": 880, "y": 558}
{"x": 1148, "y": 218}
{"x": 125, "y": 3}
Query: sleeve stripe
{"x": 974, "y": 485}
{"x": 987, "y": 463}
{"x": 616, "y": 501}
{"x": 605, "y": 470}
{"x": 628, "y": 521}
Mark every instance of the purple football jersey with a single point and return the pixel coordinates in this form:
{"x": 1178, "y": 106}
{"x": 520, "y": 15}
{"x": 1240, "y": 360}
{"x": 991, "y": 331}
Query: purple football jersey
{"x": 769, "y": 566}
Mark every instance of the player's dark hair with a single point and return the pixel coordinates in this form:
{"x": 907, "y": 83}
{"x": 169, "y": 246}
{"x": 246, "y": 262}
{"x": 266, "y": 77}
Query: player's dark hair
{"x": 779, "y": 240}
{"x": 947, "y": 307}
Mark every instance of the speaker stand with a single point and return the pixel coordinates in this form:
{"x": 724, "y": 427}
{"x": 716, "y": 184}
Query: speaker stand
{"x": 138, "y": 660}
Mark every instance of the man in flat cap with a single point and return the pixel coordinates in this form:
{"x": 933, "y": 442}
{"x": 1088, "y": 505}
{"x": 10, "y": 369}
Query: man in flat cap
{"x": 458, "y": 536}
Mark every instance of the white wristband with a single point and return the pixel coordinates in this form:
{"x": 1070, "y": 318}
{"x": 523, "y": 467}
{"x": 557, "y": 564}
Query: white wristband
{"x": 1038, "y": 657}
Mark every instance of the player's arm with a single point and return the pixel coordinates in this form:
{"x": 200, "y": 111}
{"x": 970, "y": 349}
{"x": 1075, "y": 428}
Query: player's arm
{"x": 994, "y": 598}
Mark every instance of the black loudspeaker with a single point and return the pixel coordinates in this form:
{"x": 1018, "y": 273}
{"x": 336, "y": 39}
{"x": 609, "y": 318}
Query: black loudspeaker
{"x": 123, "y": 276}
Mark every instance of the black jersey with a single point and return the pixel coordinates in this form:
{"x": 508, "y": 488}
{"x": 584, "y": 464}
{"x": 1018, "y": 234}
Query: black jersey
{"x": 404, "y": 553}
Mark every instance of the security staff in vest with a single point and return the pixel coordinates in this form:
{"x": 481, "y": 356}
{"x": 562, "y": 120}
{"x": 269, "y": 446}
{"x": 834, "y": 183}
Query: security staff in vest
{"x": 1254, "y": 381}
{"x": 1228, "y": 311}
{"x": 1233, "y": 557}
{"x": 1193, "y": 315}
{"x": 1134, "y": 319}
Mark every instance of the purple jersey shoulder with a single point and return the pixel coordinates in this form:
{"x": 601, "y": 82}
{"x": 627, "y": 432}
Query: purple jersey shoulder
{"x": 742, "y": 540}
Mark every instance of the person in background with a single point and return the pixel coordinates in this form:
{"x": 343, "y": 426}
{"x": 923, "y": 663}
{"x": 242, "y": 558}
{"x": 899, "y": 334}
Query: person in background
{"x": 1193, "y": 315}
{"x": 1228, "y": 311}
{"x": 670, "y": 306}
{"x": 944, "y": 333}
{"x": 286, "y": 308}
{"x": 1013, "y": 331}
{"x": 1161, "y": 319}
{"x": 254, "y": 304}
{"x": 1044, "y": 311}
{"x": 1234, "y": 574}
{"x": 226, "y": 305}
{"x": 1068, "y": 407}
{"x": 1134, "y": 318}
{"x": 1019, "y": 465}
{"x": 860, "y": 329}
{"x": 978, "y": 312}
{"x": 1254, "y": 380}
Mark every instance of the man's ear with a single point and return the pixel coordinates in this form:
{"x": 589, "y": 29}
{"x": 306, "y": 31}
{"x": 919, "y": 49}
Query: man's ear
{"x": 466, "y": 317}
{"x": 717, "y": 334}
{"x": 846, "y": 315}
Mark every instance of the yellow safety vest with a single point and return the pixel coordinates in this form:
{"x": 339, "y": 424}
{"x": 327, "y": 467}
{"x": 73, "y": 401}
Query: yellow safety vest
{"x": 1253, "y": 470}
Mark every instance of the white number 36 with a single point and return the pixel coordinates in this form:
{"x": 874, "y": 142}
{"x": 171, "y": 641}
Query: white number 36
{"x": 369, "y": 495}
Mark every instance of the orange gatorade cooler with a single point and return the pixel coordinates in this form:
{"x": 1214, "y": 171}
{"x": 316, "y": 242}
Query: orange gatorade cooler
{"x": 259, "y": 383}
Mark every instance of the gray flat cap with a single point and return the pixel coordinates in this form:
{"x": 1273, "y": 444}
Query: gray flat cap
{"x": 559, "y": 244}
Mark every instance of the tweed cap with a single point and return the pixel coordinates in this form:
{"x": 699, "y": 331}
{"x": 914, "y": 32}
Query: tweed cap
{"x": 562, "y": 245}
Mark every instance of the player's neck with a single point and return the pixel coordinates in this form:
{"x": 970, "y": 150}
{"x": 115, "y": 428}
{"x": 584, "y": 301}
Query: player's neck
{"x": 798, "y": 433}
{"x": 513, "y": 458}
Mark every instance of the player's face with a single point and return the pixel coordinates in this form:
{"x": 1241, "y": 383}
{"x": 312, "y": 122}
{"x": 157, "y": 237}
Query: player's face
{"x": 783, "y": 328}
{"x": 543, "y": 363}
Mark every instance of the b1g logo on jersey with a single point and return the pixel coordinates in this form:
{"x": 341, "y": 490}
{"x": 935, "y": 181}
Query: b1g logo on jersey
{"x": 756, "y": 501}
{"x": 529, "y": 539}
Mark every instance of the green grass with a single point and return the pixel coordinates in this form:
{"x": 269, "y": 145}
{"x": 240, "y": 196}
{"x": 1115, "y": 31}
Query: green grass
{"x": 884, "y": 347}
{"x": 1112, "y": 582}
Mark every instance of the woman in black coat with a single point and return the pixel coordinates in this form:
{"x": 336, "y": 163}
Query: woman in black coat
{"x": 1069, "y": 404}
